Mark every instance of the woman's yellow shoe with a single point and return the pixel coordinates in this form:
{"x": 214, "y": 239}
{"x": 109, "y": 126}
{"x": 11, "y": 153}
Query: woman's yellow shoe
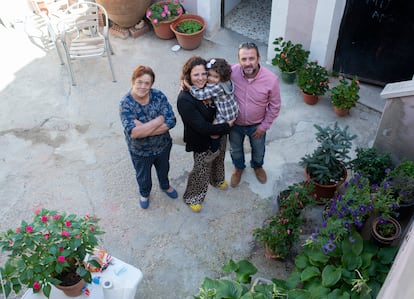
{"x": 195, "y": 208}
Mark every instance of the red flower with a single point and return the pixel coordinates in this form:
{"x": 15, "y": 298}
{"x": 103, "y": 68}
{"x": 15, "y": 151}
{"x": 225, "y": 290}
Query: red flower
{"x": 56, "y": 217}
{"x": 46, "y": 236}
{"x": 36, "y": 286}
{"x": 61, "y": 248}
{"x": 43, "y": 218}
{"x": 29, "y": 229}
{"x": 65, "y": 234}
{"x": 37, "y": 211}
{"x": 68, "y": 223}
{"x": 92, "y": 228}
{"x": 61, "y": 259}
{"x": 18, "y": 230}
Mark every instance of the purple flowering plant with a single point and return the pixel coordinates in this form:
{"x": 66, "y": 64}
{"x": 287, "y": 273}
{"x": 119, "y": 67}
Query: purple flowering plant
{"x": 164, "y": 11}
{"x": 44, "y": 251}
{"x": 350, "y": 209}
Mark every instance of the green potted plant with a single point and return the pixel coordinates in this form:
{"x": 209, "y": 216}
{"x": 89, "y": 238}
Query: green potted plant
{"x": 289, "y": 57}
{"x": 239, "y": 284}
{"x": 372, "y": 164}
{"x": 280, "y": 232}
{"x": 326, "y": 166}
{"x": 313, "y": 80}
{"x": 402, "y": 180}
{"x": 345, "y": 95}
{"x": 339, "y": 269}
{"x": 49, "y": 250}
{"x": 189, "y": 30}
{"x": 162, "y": 14}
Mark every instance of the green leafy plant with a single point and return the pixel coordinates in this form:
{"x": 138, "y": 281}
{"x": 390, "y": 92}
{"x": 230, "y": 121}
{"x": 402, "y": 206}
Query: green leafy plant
{"x": 47, "y": 249}
{"x": 313, "y": 79}
{"x": 351, "y": 268}
{"x": 372, "y": 164}
{"x": 189, "y": 26}
{"x": 239, "y": 284}
{"x": 402, "y": 179}
{"x": 164, "y": 11}
{"x": 346, "y": 93}
{"x": 386, "y": 228}
{"x": 280, "y": 232}
{"x": 326, "y": 164}
{"x": 289, "y": 57}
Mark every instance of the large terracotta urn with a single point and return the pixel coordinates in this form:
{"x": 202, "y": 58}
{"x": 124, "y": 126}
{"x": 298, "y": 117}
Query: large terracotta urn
{"x": 125, "y": 13}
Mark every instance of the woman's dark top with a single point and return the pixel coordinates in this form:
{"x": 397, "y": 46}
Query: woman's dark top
{"x": 197, "y": 118}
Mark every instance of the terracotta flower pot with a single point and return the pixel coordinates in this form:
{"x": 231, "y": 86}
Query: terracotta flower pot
{"x": 324, "y": 192}
{"x": 72, "y": 290}
{"x": 389, "y": 239}
{"x": 310, "y": 99}
{"x": 341, "y": 111}
{"x": 189, "y": 41}
{"x": 125, "y": 13}
{"x": 162, "y": 29}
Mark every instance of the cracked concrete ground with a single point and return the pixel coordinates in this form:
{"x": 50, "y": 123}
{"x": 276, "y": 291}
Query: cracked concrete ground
{"x": 62, "y": 147}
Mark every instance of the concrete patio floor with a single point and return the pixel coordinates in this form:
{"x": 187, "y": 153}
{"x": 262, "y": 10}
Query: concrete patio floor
{"x": 62, "y": 147}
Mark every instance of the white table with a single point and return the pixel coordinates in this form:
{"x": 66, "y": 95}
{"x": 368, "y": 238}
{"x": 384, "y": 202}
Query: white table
{"x": 123, "y": 277}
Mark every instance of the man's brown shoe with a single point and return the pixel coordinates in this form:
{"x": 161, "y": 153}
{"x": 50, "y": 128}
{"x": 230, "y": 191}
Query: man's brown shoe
{"x": 260, "y": 174}
{"x": 235, "y": 177}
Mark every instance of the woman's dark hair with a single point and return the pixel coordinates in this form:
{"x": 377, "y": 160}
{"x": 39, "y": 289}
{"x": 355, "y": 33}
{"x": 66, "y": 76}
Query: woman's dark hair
{"x": 142, "y": 70}
{"x": 189, "y": 65}
{"x": 221, "y": 66}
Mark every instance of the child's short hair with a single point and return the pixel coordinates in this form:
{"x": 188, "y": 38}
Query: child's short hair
{"x": 221, "y": 66}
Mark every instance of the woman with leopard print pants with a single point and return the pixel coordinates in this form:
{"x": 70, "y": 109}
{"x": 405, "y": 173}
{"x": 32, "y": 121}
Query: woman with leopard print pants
{"x": 198, "y": 117}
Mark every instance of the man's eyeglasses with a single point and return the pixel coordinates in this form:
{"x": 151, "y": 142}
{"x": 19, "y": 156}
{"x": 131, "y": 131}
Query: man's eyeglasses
{"x": 248, "y": 45}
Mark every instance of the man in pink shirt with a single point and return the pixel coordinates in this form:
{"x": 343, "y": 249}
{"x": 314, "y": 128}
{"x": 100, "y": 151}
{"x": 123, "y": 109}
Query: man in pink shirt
{"x": 258, "y": 95}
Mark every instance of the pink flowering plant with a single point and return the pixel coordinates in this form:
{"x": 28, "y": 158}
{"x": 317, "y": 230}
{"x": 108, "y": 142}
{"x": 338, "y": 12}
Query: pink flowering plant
{"x": 164, "y": 11}
{"x": 46, "y": 250}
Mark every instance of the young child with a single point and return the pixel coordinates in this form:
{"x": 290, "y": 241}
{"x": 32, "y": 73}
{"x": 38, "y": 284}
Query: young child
{"x": 219, "y": 89}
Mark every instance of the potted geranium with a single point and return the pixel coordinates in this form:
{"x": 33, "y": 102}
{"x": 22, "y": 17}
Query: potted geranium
{"x": 313, "y": 80}
{"x": 289, "y": 58}
{"x": 345, "y": 95}
{"x": 49, "y": 250}
{"x": 162, "y": 14}
{"x": 280, "y": 232}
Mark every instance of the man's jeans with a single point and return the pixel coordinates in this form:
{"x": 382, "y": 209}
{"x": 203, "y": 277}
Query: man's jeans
{"x": 236, "y": 138}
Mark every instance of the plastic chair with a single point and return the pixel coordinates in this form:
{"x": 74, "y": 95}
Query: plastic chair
{"x": 85, "y": 34}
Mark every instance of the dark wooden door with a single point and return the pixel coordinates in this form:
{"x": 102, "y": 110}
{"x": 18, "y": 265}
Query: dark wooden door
{"x": 376, "y": 41}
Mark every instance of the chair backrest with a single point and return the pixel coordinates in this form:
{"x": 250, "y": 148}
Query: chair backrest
{"x": 89, "y": 17}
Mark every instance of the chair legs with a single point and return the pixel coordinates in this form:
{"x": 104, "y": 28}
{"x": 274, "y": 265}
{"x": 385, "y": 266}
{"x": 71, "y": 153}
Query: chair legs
{"x": 108, "y": 54}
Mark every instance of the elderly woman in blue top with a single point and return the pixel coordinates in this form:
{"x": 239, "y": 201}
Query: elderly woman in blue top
{"x": 147, "y": 118}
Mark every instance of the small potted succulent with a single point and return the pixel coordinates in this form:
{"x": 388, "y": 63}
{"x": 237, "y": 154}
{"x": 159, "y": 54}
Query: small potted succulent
{"x": 345, "y": 95}
{"x": 313, "y": 80}
{"x": 326, "y": 166}
{"x": 289, "y": 58}
{"x": 49, "y": 250}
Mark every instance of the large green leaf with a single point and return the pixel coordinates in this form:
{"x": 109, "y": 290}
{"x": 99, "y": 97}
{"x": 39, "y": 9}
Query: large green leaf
{"x": 331, "y": 275}
{"x": 299, "y": 294}
{"x": 386, "y": 255}
{"x": 338, "y": 294}
{"x": 293, "y": 279}
{"x": 309, "y": 273}
{"x": 351, "y": 261}
{"x": 301, "y": 261}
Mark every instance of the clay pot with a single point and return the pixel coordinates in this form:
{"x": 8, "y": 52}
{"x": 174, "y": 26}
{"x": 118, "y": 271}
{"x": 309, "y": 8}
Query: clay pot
{"x": 189, "y": 41}
{"x": 341, "y": 111}
{"x": 125, "y": 13}
{"x": 310, "y": 99}
{"x": 73, "y": 290}
{"x": 385, "y": 240}
{"x": 325, "y": 192}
